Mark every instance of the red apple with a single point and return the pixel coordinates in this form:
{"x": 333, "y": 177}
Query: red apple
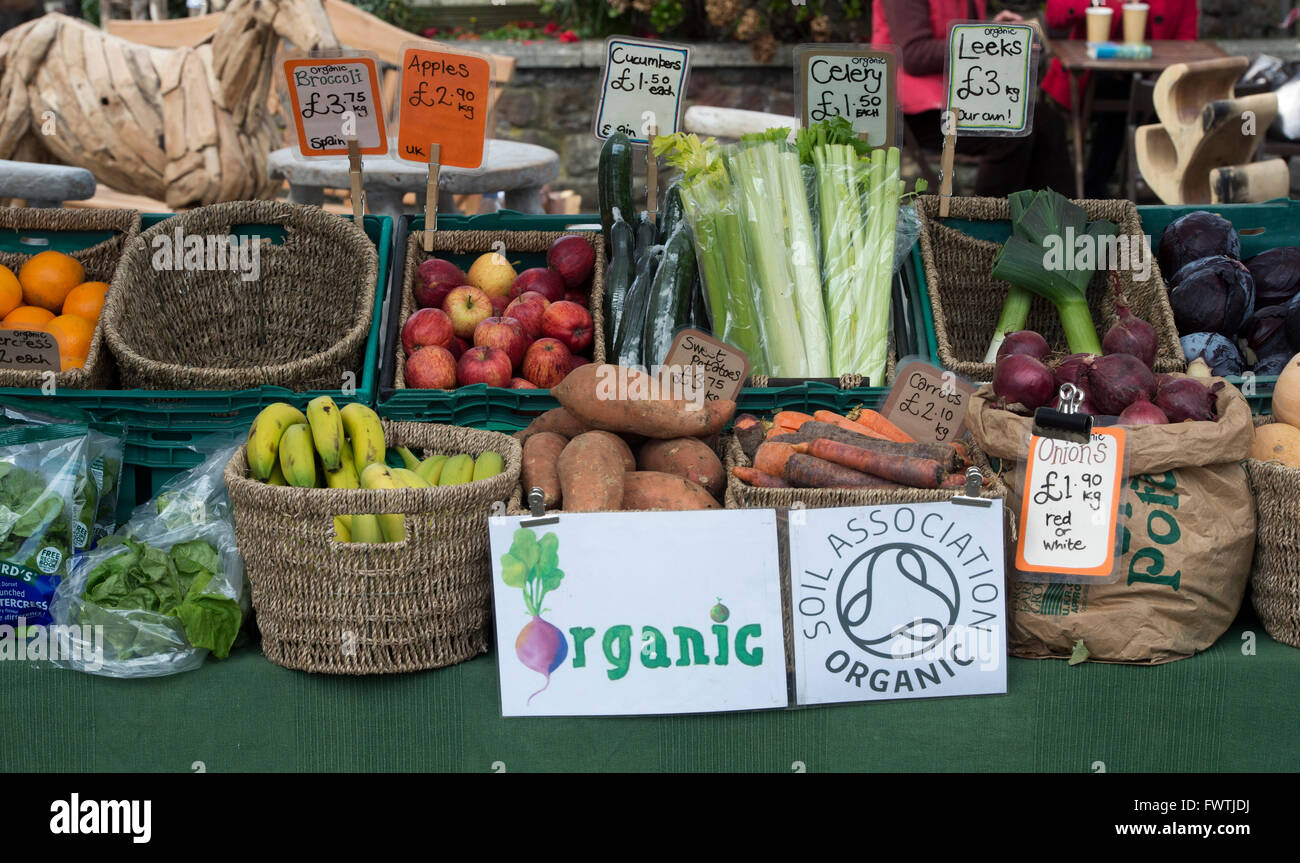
{"x": 426, "y": 327}
{"x": 431, "y": 368}
{"x": 521, "y": 384}
{"x": 579, "y": 297}
{"x": 483, "y": 365}
{"x": 568, "y": 322}
{"x": 528, "y": 312}
{"x": 507, "y": 334}
{"x": 458, "y": 346}
{"x": 467, "y": 306}
{"x": 499, "y": 304}
{"x": 578, "y": 361}
{"x": 541, "y": 280}
{"x": 573, "y": 257}
{"x": 435, "y": 278}
{"x": 546, "y": 362}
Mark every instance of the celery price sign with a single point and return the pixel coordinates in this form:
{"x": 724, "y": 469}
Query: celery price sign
{"x": 644, "y": 86}
{"x": 851, "y": 82}
{"x": 593, "y": 620}
{"x": 898, "y": 602}
{"x": 991, "y": 78}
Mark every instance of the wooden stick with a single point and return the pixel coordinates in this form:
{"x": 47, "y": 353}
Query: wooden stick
{"x": 431, "y": 196}
{"x": 945, "y": 186}
{"x": 354, "y": 175}
{"x": 651, "y": 172}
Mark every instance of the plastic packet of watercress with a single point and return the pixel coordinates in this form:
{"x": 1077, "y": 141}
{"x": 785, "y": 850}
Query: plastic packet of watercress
{"x": 195, "y": 497}
{"x": 40, "y": 467}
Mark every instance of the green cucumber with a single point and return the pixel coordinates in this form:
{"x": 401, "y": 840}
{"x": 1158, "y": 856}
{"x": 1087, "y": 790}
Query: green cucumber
{"x": 647, "y": 235}
{"x": 674, "y": 211}
{"x": 614, "y": 181}
{"x": 631, "y": 325}
{"x": 700, "y": 318}
{"x": 670, "y": 296}
{"x": 618, "y": 278}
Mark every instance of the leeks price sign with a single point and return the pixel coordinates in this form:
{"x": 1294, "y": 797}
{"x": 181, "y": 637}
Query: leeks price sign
{"x": 991, "y": 79}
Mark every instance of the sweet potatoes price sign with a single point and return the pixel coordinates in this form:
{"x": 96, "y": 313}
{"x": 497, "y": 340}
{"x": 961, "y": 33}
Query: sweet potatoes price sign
{"x": 444, "y": 101}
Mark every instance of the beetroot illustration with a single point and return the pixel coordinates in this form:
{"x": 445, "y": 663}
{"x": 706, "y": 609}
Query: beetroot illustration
{"x": 532, "y": 565}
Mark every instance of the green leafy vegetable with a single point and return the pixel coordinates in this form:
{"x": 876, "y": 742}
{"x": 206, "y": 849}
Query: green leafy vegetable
{"x": 532, "y": 565}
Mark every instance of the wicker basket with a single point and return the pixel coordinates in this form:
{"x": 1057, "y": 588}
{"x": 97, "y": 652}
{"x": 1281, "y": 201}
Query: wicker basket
{"x": 302, "y": 324}
{"x": 478, "y": 242}
{"x": 356, "y": 608}
{"x": 1275, "y": 572}
{"x": 967, "y": 300}
{"x": 100, "y": 261}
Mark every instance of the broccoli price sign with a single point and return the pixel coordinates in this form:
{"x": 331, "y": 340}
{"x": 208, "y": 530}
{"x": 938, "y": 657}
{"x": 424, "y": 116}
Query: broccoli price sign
{"x": 333, "y": 101}
{"x": 991, "y": 78}
{"x": 644, "y": 86}
{"x": 29, "y": 350}
{"x": 443, "y": 100}
{"x": 848, "y": 81}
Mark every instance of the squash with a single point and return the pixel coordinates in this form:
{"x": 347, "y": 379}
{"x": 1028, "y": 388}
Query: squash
{"x": 1277, "y": 442}
{"x": 1286, "y": 394}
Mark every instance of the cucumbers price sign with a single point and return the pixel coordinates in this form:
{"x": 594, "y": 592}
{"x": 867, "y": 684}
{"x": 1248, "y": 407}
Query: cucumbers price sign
{"x": 444, "y": 101}
{"x": 333, "y": 101}
{"x": 991, "y": 79}
{"x": 644, "y": 86}
{"x": 852, "y": 82}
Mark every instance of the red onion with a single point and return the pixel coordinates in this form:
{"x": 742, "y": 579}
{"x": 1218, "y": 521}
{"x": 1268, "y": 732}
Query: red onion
{"x": 1143, "y": 413}
{"x": 1073, "y": 369}
{"x": 1130, "y": 334}
{"x": 1025, "y": 342}
{"x": 1116, "y": 380}
{"x": 1186, "y": 399}
{"x": 1161, "y": 380}
{"x": 1021, "y": 378}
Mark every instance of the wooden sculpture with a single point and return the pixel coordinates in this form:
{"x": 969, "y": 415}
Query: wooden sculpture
{"x": 188, "y": 125}
{"x": 1201, "y": 151}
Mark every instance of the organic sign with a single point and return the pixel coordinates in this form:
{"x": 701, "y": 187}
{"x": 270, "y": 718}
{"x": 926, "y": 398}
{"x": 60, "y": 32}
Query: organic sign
{"x": 589, "y": 625}
{"x": 444, "y": 101}
{"x": 29, "y": 350}
{"x": 644, "y": 85}
{"x": 1070, "y": 508}
{"x": 335, "y": 100}
{"x": 857, "y": 84}
{"x": 991, "y": 78}
{"x": 720, "y": 369}
{"x": 928, "y": 403}
{"x": 898, "y": 602}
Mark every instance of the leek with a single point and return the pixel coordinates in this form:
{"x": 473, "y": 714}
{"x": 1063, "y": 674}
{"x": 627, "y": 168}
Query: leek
{"x": 1015, "y": 310}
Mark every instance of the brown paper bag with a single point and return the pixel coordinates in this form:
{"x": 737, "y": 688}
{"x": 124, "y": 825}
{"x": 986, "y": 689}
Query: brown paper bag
{"x": 1189, "y": 537}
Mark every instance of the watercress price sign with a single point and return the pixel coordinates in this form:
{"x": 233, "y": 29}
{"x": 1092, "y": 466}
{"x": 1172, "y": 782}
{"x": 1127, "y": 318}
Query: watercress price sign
{"x": 444, "y": 101}
{"x": 846, "y": 81}
{"x": 1070, "y": 506}
{"x": 719, "y": 369}
{"x": 334, "y": 100}
{"x": 644, "y": 86}
{"x": 990, "y": 82}
{"x": 29, "y": 350}
{"x": 928, "y": 403}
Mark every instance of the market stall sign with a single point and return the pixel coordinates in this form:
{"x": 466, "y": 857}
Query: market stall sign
{"x": 720, "y": 369}
{"x": 928, "y": 403}
{"x": 903, "y": 601}
{"x": 29, "y": 351}
{"x": 607, "y": 614}
{"x": 644, "y": 87}
{"x": 991, "y": 79}
{"x": 1070, "y": 508}
{"x": 333, "y": 101}
{"x": 444, "y": 101}
{"x": 853, "y": 82}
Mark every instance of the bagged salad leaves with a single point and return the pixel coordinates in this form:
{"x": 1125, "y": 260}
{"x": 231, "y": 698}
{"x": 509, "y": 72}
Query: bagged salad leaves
{"x": 39, "y": 470}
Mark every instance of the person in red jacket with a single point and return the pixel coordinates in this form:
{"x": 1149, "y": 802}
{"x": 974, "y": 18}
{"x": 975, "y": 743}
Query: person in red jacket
{"x": 918, "y": 29}
{"x": 1166, "y": 19}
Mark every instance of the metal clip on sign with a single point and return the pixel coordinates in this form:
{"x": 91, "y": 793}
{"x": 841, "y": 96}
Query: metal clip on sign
{"x": 1067, "y": 424}
{"x": 537, "y": 507}
{"x": 970, "y": 495}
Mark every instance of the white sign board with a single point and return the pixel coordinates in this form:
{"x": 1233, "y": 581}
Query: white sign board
{"x": 904, "y": 601}
{"x": 334, "y": 100}
{"x": 854, "y": 82}
{"x": 644, "y": 85}
{"x": 991, "y": 79}
{"x": 608, "y": 614}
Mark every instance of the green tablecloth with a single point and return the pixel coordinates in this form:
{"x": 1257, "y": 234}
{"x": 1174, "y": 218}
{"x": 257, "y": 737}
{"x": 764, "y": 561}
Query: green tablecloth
{"x": 1220, "y": 711}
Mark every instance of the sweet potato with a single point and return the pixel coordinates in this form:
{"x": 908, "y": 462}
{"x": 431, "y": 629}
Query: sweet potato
{"x": 648, "y": 490}
{"x": 541, "y": 465}
{"x": 618, "y": 399}
{"x": 556, "y": 420}
{"x": 686, "y": 457}
{"x": 591, "y": 474}
{"x": 629, "y": 460}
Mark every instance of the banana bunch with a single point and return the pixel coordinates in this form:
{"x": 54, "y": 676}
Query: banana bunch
{"x": 329, "y": 447}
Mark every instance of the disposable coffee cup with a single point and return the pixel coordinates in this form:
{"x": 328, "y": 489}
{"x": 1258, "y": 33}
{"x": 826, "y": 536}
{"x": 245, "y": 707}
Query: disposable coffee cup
{"x": 1099, "y": 19}
{"x": 1135, "y": 22}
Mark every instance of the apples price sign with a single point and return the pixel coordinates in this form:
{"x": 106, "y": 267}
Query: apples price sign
{"x": 444, "y": 100}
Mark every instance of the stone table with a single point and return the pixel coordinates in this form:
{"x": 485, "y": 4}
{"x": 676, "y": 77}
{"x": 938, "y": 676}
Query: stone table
{"x": 518, "y": 169}
{"x": 42, "y": 185}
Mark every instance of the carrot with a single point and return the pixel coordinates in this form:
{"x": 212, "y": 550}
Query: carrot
{"x": 790, "y": 420}
{"x": 805, "y": 471}
{"x": 832, "y": 418}
{"x": 749, "y": 433}
{"x": 943, "y": 453}
{"x": 905, "y": 470}
{"x": 770, "y": 458}
{"x": 757, "y": 478}
{"x": 876, "y": 422}
{"x": 957, "y": 479}
{"x": 963, "y": 453}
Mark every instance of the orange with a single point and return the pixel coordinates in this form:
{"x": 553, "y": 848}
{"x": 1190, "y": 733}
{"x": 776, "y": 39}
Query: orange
{"x": 48, "y": 278}
{"x": 66, "y": 363}
{"x": 11, "y": 291}
{"x": 27, "y": 316}
{"x": 86, "y": 300}
{"x": 73, "y": 335}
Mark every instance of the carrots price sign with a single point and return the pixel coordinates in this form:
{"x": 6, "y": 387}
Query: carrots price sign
{"x": 444, "y": 101}
{"x": 333, "y": 101}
